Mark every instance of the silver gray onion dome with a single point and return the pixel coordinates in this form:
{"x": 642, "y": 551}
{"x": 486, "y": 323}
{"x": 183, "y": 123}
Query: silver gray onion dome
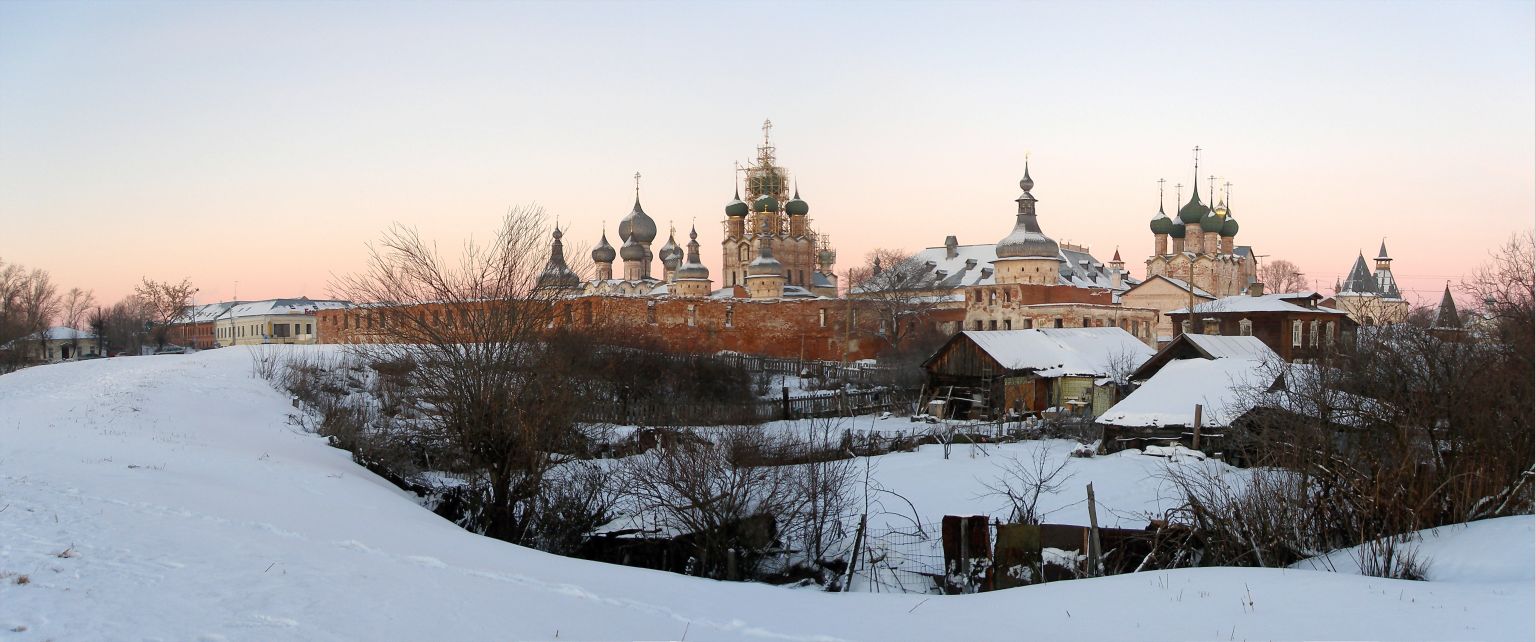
{"x": 603, "y": 253}
{"x": 671, "y": 255}
{"x": 632, "y": 250}
{"x": 637, "y": 225}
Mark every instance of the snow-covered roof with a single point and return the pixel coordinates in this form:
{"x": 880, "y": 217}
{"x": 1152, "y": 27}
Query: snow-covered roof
{"x": 1180, "y": 284}
{"x": 206, "y": 312}
{"x": 56, "y": 333}
{"x": 1225, "y": 388}
{"x": 1220, "y": 347}
{"x": 1057, "y": 352}
{"x": 972, "y": 265}
{"x": 1281, "y": 302}
{"x": 300, "y": 305}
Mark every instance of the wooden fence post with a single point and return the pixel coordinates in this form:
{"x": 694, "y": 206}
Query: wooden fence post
{"x": 1093, "y": 535}
{"x": 853, "y": 562}
{"x": 1196, "y": 441}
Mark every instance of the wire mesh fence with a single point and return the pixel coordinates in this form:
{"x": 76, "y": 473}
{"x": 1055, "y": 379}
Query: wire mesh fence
{"x": 901, "y": 560}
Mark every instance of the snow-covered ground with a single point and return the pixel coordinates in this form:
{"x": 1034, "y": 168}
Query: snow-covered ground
{"x": 170, "y": 497}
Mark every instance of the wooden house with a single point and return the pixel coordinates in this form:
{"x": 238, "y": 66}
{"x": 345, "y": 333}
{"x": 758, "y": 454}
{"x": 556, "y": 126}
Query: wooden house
{"x": 1292, "y": 324}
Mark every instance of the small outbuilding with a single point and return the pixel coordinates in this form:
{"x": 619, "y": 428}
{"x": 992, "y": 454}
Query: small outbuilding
{"x": 994, "y": 373}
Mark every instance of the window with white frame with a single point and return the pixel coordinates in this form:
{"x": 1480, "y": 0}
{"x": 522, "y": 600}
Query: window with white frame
{"x": 1296, "y": 333}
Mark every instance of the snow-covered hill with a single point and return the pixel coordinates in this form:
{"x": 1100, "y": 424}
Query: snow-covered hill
{"x": 170, "y": 498}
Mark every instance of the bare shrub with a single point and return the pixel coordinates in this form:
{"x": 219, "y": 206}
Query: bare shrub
{"x": 1023, "y": 481}
{"x": 727, "y": 490}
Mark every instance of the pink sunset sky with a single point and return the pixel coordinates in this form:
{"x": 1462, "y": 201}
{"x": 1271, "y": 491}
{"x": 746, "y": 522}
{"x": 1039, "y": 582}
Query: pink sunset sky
{"x": 266, "y": 143}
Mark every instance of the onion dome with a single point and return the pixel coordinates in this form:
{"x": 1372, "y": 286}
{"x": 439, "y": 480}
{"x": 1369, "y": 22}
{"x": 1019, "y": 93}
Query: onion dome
{"x": 556, "y": 273}
{"x": 1194, "y": 210}
{"x": 671, "y": 255}
{"x": 826, "y": 257}
{"x": 1161, "y": 224}
{"x": 1026, "y": 240}
{"x": 632, "y": 250}
{"x": 637, "y": 225}
{"x": 692, "y": 268}
{"x": 1176, "y": 231}
{"x": 737, "y": 207}
{"x": 795, "y": 206}
{"x": 603, "y": 253}
{"x": 765, "y": 203}
{"x": 1229, "y": 228}
{"x": 1211, "y": 222}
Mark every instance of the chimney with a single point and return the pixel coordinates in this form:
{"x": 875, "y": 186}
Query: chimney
{"x": 970, "y": 264}
{"x": 951, "y": 247}
{"x": 1256, "y": 288}
{"x": 986, "y": 272}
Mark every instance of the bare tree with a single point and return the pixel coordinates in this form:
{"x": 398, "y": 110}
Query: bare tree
{"x": 76, "y": 307}
{"x": 29, "y": 304}
{"x": 165, "y": 303}
{"x": 478, "y": 338}
{"x": 1281, "y": 275}
{"x": 119, "y": 325}
{"x": 1506, "y": 288}
{"x": 904, "y": 294}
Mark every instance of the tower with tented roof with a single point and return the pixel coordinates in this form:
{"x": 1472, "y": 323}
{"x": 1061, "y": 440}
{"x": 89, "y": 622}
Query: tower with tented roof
{"x": 1371, "y": 298}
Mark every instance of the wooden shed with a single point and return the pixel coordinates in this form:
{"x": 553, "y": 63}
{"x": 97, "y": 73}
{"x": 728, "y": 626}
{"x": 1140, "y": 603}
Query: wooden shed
{"x": 987, "y": 374}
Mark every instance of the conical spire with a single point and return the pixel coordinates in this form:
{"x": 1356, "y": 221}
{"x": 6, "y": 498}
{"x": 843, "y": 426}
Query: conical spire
{"x": 1446, "y": 317}
{"x": 1382, "y": 254}
{"x": 1360, "y": 280}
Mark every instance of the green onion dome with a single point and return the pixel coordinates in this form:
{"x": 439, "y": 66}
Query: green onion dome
{"x": 1211, "y": 222}
{"x": 1161, "y": 224}
{"x": 765, "y": 203}
{"x": 1194, "y": 210}
{"x": 797, "y": 207}
{"x": 737, "y": 207}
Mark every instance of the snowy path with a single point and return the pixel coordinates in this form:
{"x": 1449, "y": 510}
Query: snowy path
{"x": 191, "y": 509}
